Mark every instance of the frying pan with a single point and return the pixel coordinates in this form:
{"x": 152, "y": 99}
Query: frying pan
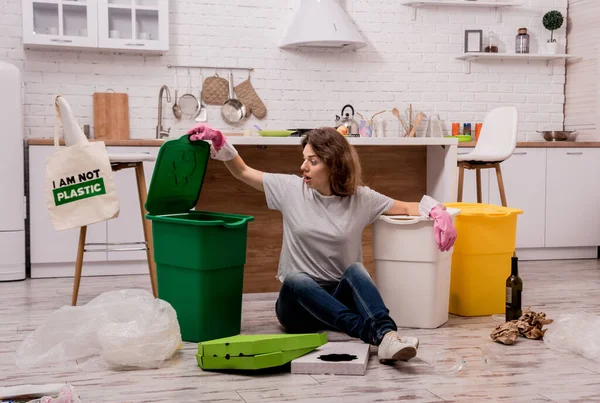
{"x": 232, "y": 110}
{"x": 188, "y": 103}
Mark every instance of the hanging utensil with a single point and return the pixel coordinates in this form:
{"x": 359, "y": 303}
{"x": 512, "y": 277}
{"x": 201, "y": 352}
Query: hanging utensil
{"x": 176, "y": 108}
{"x": 202, "y": 115}
{"x": 232, "y": 110}
{"x": 188, "y": 103}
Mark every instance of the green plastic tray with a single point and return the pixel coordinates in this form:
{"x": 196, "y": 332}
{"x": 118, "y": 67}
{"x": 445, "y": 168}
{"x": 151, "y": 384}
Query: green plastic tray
{"x": 275, "y": 133}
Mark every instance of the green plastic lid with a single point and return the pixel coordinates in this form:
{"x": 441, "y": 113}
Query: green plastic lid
{"x": 178, "y": 176}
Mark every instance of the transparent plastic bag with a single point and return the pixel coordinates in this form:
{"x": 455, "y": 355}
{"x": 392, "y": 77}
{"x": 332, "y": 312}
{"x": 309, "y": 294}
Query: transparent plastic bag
{"x": 577, "y": 333}
{"x": 126, "y": 328}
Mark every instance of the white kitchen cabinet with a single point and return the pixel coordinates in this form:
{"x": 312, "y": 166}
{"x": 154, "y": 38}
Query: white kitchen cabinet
{"x": 470, "y": 182}
{"x": 47, "y": 244}
{"x": 572, "y": 192}
{"x": 60, "y": 23}
{"x": 133, "y": 24}
{"x": 524, "y": 176}
{"x": 128, "y": 226}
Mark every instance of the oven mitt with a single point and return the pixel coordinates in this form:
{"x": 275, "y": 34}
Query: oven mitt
{"x": 215, "y": 90}
{"x": 246, "y": 94}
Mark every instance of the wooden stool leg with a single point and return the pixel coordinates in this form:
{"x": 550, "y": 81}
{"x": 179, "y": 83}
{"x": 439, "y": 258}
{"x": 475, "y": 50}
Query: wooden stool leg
{"x": 478, "y": 176}
{"x": 78, "y": 264}
{"x": 500, "y": 184}
{"x": 141, "y": 185}
{"x": 461, "y": 180}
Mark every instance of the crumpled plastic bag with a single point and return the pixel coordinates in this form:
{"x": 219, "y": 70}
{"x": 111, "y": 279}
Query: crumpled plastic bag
{"x": 529, "y": 325}
{"x": 126, "y": 328}
{"x": 577, "y": 333}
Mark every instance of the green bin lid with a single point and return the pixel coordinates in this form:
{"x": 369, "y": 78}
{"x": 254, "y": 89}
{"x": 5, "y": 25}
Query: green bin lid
{"x": 178, "y": 176}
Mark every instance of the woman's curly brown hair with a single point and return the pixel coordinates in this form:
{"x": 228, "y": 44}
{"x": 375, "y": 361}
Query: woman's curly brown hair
{"x": 339, "y": 156}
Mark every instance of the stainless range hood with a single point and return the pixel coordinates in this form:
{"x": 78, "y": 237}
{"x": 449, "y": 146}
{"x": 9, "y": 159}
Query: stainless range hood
{"x": 321, "y": 24}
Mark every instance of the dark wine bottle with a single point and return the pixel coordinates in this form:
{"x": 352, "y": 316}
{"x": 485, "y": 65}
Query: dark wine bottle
{"x": 514, "y": 288}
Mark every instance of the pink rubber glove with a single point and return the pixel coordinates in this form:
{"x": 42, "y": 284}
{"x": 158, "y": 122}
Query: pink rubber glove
{"x": 203, "y": 132}
{"x": 444, "y": 230}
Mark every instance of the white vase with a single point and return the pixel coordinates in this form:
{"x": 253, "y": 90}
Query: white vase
{"x": 551, "y": 48}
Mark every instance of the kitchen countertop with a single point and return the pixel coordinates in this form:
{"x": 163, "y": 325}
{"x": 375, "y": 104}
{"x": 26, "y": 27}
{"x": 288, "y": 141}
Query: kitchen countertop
{"x": 256, "y": 140}
{"x": 401, "y": 141}
{"x": 546, "y": 144}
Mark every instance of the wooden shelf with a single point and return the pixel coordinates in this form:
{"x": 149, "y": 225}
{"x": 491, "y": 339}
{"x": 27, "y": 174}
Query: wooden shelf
{"x": 459, "y": 3}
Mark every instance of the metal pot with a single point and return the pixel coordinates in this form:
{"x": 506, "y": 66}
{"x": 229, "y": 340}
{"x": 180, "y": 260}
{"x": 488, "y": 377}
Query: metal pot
{"x": 559, "y": 135}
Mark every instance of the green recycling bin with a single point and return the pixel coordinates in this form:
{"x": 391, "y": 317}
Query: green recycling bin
{"x": 200, "y": 255}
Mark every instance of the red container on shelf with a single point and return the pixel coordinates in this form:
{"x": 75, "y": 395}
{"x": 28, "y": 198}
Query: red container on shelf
{"x": 455, "y": 129}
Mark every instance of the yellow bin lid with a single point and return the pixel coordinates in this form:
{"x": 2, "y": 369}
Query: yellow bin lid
{"x": 483, "y": 210}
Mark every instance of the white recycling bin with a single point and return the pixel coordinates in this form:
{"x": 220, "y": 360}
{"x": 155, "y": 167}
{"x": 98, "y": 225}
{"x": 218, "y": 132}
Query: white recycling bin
{"x": 411, "y": 273}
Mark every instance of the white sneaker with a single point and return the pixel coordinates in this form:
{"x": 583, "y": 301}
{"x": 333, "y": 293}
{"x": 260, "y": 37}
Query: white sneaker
{"x": 393, "y": 347}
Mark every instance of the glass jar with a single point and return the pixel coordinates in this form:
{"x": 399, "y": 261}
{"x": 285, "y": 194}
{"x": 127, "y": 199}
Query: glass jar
{"x": 492, "y": 40}
{"x": 522, "y": 41}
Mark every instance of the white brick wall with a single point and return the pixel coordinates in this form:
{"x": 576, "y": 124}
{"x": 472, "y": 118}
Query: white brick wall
{"x": 406, "y": 61}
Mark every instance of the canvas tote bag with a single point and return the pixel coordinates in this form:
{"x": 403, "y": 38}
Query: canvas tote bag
{"x": 80, "y": 189}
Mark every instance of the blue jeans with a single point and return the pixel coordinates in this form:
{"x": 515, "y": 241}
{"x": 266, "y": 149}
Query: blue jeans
{"x": 353, "y": 305}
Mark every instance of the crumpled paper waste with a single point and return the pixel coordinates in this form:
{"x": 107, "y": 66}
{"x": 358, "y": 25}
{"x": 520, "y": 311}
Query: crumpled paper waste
{"x": 529, "y": 325}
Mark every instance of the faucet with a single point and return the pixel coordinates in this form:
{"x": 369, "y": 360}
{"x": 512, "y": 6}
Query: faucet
{"x": 160, "y": 132}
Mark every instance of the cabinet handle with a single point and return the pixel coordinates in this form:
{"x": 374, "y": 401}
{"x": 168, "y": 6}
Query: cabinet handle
{"x": 521, "y": 153}
{"x": 62, "y": 40}
{"x": 135, "y": 44}
{"x": 575, "y": 153}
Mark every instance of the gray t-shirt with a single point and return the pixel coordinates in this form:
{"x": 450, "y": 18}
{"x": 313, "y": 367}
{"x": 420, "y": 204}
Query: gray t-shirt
{"x": 322, "y": 235}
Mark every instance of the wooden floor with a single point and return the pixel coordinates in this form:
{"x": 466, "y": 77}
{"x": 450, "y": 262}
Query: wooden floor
{"x": 525, "y": 372}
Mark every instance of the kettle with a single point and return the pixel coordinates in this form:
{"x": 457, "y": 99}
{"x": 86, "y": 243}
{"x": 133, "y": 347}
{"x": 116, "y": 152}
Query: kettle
{"x": 348, "y": 121}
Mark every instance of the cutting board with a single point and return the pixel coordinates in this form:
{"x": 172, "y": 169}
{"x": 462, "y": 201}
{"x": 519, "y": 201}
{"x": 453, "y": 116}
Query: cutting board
{"x": 111, "y": 116}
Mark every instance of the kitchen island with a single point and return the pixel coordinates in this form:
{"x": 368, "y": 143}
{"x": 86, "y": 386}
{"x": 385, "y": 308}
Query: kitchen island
{"x": 402, "y": 168}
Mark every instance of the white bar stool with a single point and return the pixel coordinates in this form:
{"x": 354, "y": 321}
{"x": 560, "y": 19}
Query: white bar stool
{"x": 497, "y": 142}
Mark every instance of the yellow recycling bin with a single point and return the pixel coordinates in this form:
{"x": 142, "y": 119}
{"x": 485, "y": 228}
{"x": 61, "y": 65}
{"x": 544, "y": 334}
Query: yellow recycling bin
{"x": 481, "y": 259}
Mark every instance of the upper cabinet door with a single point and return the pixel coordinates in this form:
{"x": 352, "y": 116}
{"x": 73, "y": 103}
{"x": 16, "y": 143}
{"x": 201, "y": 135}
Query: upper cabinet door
{"x": 133, "y": 24}
{"x": 70, "y": 23}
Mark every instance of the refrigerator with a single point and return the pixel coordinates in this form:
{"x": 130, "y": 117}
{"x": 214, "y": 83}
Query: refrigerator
{"x": 12, "y": 177}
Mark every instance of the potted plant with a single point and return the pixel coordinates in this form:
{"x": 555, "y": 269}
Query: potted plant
{"x": 552, "y": 20}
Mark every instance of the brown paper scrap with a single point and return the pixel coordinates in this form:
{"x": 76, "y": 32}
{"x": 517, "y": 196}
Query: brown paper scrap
{"x": 529, "y": 325}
